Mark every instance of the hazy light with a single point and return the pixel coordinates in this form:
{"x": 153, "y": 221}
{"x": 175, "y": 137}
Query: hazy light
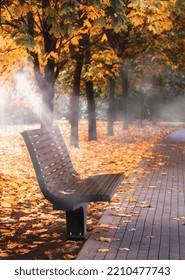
{"x": 28, "y": 92}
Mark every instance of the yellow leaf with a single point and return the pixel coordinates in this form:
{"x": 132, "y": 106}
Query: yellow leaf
{"x": 12, "y": 245}
{"x": 103, "y": 250}
{"x": 104, "y": 38}
{"x": 151, "y": 187}
{"x": 22, "y": 251}
{"x": 56, "y": 235}
{"x": 3, "y": 255}
{"x": 145, "y": 206}
{"x": 107, "y": 2}
{"x": 107, "y": 239}
{"x": 44, "y": 235}
{"x": 74, "y": 41}
{"x": 87, "y": 23}
{"x": 53, "y": 55}
{"x": 125, "y": 214}
{"x": 179, "y": 219}
{"x": 150, "y": 236}
{"x": 47, "y": 253}
{"x": 5, "y": 204}
{"x": 124, "y": 249}
{"x": 132, "y": 199}
{"x": 69, "y": 257}
{"x": 101, "y": 226}
{"x": 70, "y": 247}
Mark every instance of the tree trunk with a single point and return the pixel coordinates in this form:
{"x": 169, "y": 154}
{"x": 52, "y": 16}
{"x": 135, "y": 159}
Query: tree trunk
{"x": 48, "y": 89}
{"x": 111, "y": 112}
{"x": 124, "y": 96}
{"x": 74, "y": 102}
{"x": 45, "y": 82}
{"x": 141, "y": 106}
{"x": 92, "y": 131}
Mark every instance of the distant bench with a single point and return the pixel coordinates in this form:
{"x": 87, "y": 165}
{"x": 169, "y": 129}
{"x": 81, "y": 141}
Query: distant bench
{"x": 60, "y": 183}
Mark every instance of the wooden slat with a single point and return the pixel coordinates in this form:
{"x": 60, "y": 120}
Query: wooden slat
{"x": 65, "y": 167}
{"x": 42, "y": 131}
{"x": 59, "y": 180}
{"x": 47, "y": 140}
{"x": 47, "y": 159}
{"x": 56, "y": 172}
{"x": 58, "y": 175}
{"x": 46, "y": 144}
{"x": 105, "y": 187}
{"x": 48, "y": 169}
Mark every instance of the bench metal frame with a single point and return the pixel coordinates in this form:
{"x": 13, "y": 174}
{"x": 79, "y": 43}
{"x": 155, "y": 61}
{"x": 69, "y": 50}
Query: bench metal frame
{"x": 61, "y": 184}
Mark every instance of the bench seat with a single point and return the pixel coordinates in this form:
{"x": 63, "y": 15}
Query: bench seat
{"x": 61, "y": 184}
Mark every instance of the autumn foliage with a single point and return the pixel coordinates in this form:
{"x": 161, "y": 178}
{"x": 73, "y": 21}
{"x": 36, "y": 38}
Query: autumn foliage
{"x": 29, "y": 228}
{"x": 88, "y": 47}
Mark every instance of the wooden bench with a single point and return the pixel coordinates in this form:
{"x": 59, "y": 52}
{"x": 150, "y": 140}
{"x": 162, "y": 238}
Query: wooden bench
{"x": 60, "y": 183}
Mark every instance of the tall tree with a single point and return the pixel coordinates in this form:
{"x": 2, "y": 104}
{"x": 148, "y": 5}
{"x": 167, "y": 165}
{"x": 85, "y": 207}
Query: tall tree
{"x": 43, "y": 29}
{"x": 111, "y": 108}
{"x": 139, "y": 22}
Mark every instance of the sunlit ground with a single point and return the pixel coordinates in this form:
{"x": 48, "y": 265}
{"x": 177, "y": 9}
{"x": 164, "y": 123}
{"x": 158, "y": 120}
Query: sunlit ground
{"x": 29, "y": 228}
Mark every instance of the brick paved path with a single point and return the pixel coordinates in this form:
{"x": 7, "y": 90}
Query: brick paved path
{"x": 149, "y": 223}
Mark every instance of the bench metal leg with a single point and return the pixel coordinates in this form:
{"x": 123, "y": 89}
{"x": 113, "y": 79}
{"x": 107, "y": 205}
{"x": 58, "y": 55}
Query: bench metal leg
{"x": 76, "y": 223}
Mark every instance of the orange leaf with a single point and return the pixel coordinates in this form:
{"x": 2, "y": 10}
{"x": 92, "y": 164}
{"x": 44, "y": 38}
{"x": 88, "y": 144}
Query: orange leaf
{"x": 22, "y": 251}
{"x": 107, "y": 239}
{"x": 150, "y": 236}
{"x": 69, "y": 257}
{"x": 132, "y": 199}
{"x": 47, "y": 253}
{"x": 103, "y": 250}
{"x": 124, "y": 249}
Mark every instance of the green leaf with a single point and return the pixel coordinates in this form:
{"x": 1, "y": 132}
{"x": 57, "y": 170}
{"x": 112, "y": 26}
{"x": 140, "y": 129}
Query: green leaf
{"x": 100, "y": 22}
{"x": 27, "y": 41}
{"x": 22, "y": 2}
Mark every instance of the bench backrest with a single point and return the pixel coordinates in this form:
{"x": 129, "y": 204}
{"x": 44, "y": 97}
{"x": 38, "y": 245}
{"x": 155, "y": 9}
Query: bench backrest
{"x": 50, "y": 158}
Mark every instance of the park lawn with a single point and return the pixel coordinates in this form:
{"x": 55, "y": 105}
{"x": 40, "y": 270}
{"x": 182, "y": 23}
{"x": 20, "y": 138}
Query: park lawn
{"x": 29, "y": 228}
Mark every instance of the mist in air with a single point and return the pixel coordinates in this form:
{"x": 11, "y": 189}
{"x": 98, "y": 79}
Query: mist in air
{"x": 150, "y": 100}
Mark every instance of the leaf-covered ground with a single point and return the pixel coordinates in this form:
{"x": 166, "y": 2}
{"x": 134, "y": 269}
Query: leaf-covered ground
{"x": 29, "y": 228}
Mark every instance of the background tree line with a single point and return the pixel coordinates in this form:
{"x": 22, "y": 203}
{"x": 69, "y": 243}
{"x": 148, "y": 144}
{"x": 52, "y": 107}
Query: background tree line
{"x": 94, "y": 47}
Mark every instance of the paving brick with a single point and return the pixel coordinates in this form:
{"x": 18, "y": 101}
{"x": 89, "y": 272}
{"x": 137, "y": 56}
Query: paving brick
{"x": 158, "y": 231}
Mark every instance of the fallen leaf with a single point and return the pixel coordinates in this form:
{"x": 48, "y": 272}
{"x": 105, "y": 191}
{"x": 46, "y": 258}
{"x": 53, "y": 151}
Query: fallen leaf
{"x": 105, "y": 226}
{"x": 126, "y": 191}
{"x": 101, "y": 226}
{"x": 179, "y": 219}
{"x": 98, "y": 230}
{"x": 70, "y": 247}
{"x": 12, "y": 245}
{"x": 56, "y": 235}
{"x": 150, "y": 236}
{"x": 22, "y": 251}
{"x": 69, "y": 257}
{"x": 116, "y": 199}
{"x": 38, "y": 242}
{"x": 3, "y": 254}
{"x": 132, "y": 229}
{"x": 103, "y": 250}
{"x": 107, "y": 239}
{"x": 124, "y": 249}
{"x": 151, "y": 187}
{"x": 133, "y": 199}
{"x": 125, "y": 214}
{"x": 44, "y": 235}
{"x": 145, "y": 206}
{"x": 47, "y": 252}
